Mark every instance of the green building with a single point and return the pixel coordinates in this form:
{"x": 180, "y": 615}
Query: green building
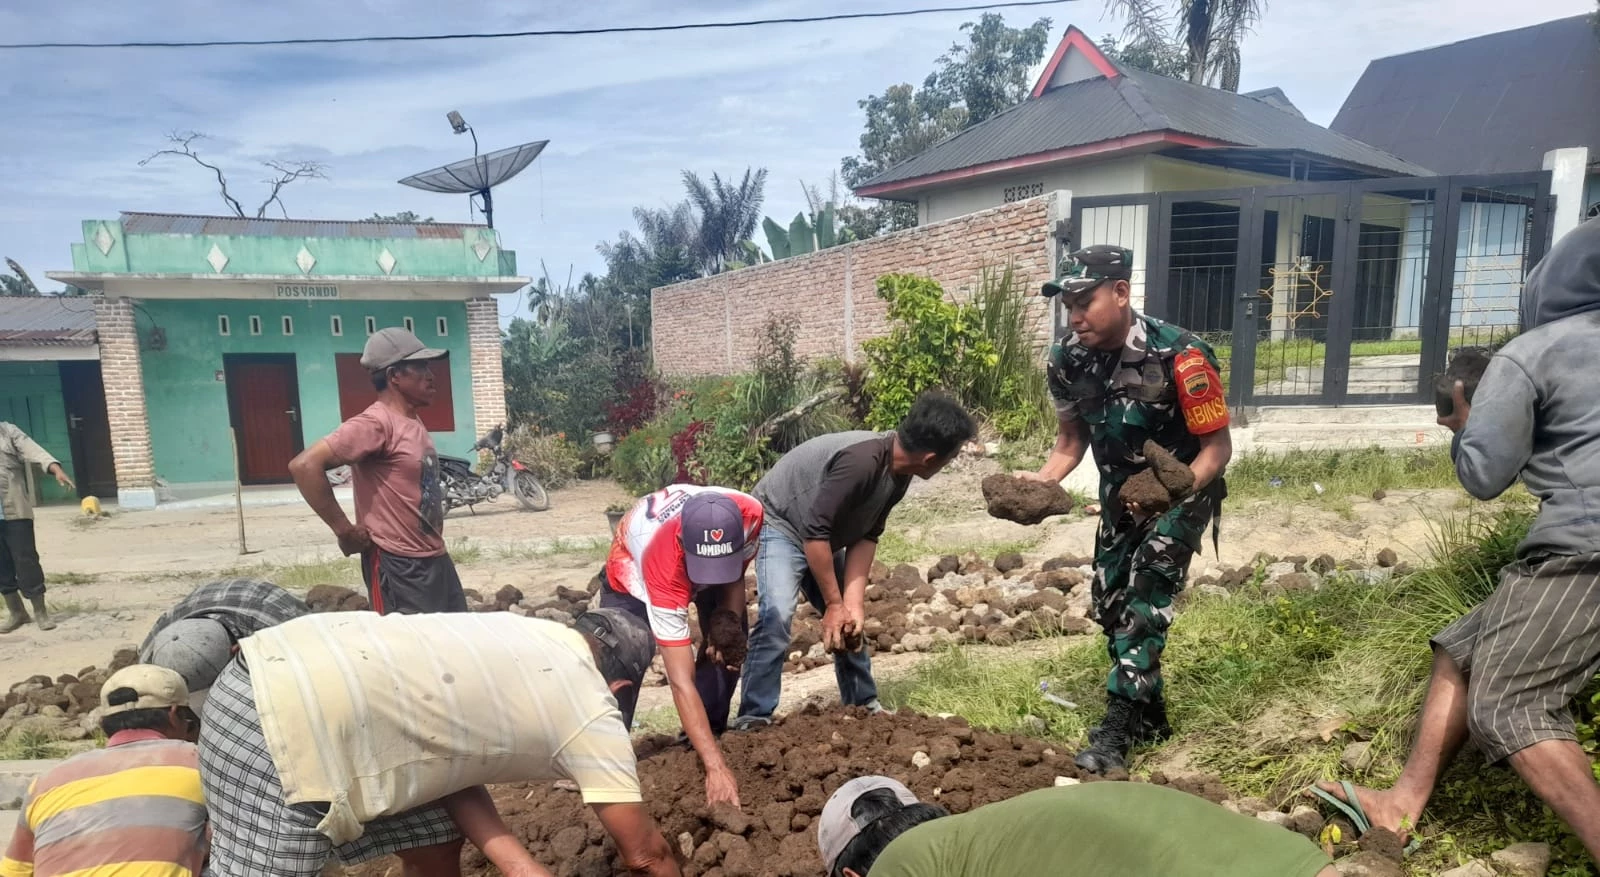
{"x": 226, "y": 345}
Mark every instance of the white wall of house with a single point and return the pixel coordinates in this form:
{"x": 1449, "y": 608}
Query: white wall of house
{"x": 1118, "y": 176}
{"x": 1176, "y": 175}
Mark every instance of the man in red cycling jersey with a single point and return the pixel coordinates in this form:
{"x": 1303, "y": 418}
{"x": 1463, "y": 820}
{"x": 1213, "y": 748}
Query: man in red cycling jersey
{"x": 687, "y": 544}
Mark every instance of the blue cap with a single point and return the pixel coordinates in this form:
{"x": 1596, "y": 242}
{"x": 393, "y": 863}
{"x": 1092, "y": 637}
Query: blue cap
{"x": 713, "y": 539}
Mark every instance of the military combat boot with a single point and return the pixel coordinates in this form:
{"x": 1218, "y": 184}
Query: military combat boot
{"x": 1109, "y": 748}
{"x": 19, "y": 615}
{"x": 1150, "y": 724}
{"x": 41, "y": 615}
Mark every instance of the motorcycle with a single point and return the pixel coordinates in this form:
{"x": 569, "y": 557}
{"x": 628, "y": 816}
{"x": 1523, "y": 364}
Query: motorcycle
{"x": 464, "y": 487}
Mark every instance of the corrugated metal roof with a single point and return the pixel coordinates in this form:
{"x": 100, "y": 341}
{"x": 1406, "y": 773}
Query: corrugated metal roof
{"x": 1492, "y": 104}
{"x": 47, "y": 320}
{"x": 1096, "y": 110}
{"x": 178, "y": 223}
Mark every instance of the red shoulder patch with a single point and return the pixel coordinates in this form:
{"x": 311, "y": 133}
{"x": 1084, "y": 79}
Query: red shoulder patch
{"x": 1200, "y": 393}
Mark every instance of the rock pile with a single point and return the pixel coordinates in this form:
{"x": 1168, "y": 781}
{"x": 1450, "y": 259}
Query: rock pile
{"x": 63, "y": 708}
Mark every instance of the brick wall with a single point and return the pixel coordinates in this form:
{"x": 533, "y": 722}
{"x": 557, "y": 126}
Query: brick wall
{"x": 123, "y": 376}
{"x": 488, "y": 381}
{"x": 712, "y": 325}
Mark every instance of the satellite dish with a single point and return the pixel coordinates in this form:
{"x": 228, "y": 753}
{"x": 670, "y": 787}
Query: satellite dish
{"x": 478, "y": 174}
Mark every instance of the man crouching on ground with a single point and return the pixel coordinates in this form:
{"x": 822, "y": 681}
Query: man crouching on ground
{"x": 352, "y": 735}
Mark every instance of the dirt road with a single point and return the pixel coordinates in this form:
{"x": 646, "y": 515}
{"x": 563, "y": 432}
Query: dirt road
{"x": 111, "y": 578}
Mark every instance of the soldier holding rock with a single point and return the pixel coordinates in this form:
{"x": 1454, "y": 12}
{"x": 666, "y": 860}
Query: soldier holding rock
{"x": 1134, "y": 390}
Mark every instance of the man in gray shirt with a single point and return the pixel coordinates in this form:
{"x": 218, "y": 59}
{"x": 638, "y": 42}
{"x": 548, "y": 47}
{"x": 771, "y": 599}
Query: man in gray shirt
{"x": 826, "y": 502}
{"x": 1505, "y": 673}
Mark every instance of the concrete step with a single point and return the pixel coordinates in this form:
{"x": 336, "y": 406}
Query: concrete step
{"x": 1358, "y": 388}
{"x": 1313, "y": 374}
{"x": 1363, "y": 415}
{"x": 1288, "y": 436}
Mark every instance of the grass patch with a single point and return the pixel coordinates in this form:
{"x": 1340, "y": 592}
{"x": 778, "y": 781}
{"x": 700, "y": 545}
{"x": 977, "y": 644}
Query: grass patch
{"x": 661, "y": 720}
{"x": 1255, "y": 681}
{"x": 70, "y": 578}
{"x": 464, "y": 551}
{"x": 67, "y": 608}
{"x": 897, "y": 547}
{"x": 579, "y": 549}
{"x": 28, "y": 746}
{"x": 1294, "y": 476}
{"x": 306, "y": 575}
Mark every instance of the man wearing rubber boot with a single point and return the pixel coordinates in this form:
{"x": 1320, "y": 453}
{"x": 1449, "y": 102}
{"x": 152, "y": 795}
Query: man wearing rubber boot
{"x": 1120, "y": 379}
{"x": 20, "y": 573}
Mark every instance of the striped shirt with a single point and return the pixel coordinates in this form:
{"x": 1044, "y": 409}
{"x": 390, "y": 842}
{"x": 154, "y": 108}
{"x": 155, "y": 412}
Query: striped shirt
{"x": 133, "y": 809}
{"x": 242, "y": 606}
{"x": 374, "y": 714}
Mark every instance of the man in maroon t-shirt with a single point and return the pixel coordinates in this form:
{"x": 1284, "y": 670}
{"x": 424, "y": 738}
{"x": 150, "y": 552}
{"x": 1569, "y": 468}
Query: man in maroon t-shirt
{"x": 399, "y": 528}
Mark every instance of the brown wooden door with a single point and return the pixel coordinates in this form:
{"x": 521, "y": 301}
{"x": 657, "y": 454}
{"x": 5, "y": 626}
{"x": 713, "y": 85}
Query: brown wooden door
{"x": 88, "y": 428}
{"x": 264, "y": 404}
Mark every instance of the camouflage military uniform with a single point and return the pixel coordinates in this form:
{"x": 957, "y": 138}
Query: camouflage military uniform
{"x": 1126, "y": 397}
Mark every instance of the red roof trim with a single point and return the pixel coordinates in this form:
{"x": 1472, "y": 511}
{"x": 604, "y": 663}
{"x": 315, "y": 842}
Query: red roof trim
{"x": 1075, "y": 39}
{"x": 1087, "y": 150}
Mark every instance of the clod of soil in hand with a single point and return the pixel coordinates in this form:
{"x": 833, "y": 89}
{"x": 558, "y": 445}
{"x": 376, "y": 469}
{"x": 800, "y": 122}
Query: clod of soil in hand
{"x": 1147, "y": 492}
{"x": 1024, "y": 500}
{"x": 1173, "y": 474}
{"x": 1466, "y": 366}
{"x": 1385, "y": 843}
{"x": 1011, "y": 560}
{"x": 726, "y": 634}
{"x": 1387, "y": 558}
{"x": 730, "y": 819}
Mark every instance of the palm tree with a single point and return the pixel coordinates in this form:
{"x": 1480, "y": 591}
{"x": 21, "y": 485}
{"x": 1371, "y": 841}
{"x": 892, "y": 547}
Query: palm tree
{"x": 1209, "y": 30}
{"x": 728, "y": 215}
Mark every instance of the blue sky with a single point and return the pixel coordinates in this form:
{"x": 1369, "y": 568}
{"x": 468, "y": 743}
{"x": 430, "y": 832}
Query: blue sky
{"x": 624, "y": 114}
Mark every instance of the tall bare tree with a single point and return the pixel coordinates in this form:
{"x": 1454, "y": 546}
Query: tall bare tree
{"x": 284, "y": 173}
{"x": 1210, "y": 31}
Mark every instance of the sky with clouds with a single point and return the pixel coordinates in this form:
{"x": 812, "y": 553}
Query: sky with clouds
{"x": 623, "y": 114}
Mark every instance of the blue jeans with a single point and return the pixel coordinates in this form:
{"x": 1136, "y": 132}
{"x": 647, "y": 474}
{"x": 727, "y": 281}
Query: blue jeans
{"x": 781, "y": 577}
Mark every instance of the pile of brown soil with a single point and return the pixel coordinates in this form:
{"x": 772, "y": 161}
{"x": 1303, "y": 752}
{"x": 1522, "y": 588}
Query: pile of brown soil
{"x": 1024, "y": 500}
{"x": 785, "y": 773}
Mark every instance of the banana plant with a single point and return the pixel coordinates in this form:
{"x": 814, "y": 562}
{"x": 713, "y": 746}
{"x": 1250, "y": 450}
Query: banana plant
{"x": 806, "y": 234}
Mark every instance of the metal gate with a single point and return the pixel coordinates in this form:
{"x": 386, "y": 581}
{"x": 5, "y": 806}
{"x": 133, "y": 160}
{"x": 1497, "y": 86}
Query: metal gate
{"x": 1332, "y": 293}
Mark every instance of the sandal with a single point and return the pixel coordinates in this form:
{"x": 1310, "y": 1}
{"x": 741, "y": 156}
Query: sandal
{"x": 1350, "y": 806}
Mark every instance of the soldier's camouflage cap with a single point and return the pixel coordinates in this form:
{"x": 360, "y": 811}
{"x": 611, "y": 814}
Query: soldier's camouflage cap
{"x": 1090, "y": 267}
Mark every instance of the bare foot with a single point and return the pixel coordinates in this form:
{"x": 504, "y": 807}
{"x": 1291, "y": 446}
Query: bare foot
{"x": 1382, "y": 807}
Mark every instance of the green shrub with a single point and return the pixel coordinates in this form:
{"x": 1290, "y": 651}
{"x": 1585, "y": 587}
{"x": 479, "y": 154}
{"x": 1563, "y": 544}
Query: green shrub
{"x": 642, "y": 461}
{"x": 982, "y": 353}
{"x": 553, "y": 459}
{"x": 928, "y": 347}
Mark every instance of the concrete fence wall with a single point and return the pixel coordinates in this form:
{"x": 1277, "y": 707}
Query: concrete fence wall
{"x": 713, "y": 325}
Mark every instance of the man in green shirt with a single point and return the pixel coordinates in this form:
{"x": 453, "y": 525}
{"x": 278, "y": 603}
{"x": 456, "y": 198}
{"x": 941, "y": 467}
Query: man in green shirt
{"x": 875, "y": 824}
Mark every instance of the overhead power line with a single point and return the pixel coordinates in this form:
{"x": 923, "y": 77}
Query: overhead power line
{"x": 501, "y": 35}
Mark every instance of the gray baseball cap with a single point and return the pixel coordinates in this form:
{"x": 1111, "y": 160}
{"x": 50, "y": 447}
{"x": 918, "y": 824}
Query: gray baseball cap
{"x": 395, "y": 345}
{"x": 626, "y": 637}
{"x": 197, "y": 649}
{"x": 837, "y": 827}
